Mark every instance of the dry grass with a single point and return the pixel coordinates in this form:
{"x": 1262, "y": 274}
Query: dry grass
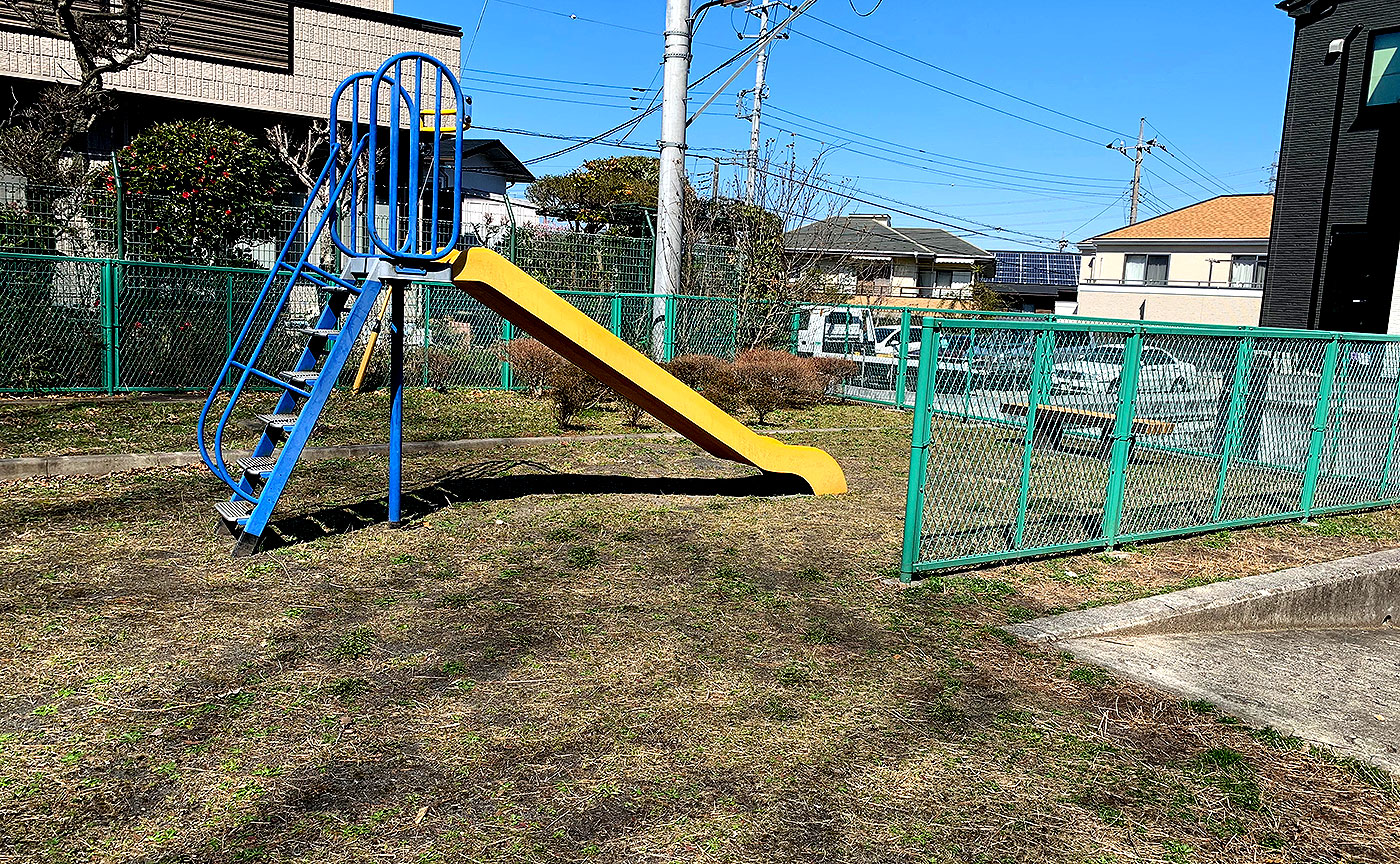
{"x": 622, "y": 672}
{"x": 129, "y": 424}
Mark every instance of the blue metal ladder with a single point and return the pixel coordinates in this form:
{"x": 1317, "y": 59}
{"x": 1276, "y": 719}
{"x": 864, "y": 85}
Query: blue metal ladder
{"x": 394, "y": 116}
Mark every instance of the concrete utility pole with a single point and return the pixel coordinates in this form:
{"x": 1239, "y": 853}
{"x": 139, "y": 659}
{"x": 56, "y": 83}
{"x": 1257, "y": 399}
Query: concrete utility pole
{"x": 759, "y": 9}
{"x": 1141, "y": 150}
{"x": 670, "y": 198}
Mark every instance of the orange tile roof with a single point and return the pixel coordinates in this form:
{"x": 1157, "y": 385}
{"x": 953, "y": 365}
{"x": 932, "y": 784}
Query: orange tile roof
{"x": 1229, "y": 217}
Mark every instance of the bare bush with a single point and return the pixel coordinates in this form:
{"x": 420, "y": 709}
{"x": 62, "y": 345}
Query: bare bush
{"x": 714, "y": 378}
{"x": 568, "y": 387}
{"x": 769, "y": 380}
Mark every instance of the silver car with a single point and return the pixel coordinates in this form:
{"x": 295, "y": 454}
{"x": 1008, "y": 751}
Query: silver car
{"x": 1101, "y": 369}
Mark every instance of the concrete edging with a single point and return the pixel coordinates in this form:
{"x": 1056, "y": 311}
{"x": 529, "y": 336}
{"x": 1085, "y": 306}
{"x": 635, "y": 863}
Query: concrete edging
{"x": 24, "y": 468}
{"x": 1362, "y": 591}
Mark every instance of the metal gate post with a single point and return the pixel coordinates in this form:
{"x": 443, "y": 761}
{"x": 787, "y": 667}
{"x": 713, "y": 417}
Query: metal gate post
{"x": 1321, "y": 412}
{"x": 1122, "y": 438}
{"x": 615, "y": 315}
{"x": 668, "y": 345}
{"x": 507, "y": 334}
{"x": 1040, "y": 377}
{"x": 902, "y": 373}
{"x": 107, "y": 303}
{"x": 918, "y": 452}
{"x": 1244, "y": 357}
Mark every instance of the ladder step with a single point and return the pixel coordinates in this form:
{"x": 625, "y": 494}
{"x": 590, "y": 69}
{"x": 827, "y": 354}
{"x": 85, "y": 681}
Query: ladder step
{"x": 279, "y": 421}
{"x": 234, "y": 512}
{"x": 257, "y": 464}
{"x": 308, "y": 376}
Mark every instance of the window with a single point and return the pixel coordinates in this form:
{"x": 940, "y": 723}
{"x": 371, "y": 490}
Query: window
{"x": 1383, "y": 77}
{"x": 947, "y": 283}
{"x": 1247, "y": 271}
{"x": 925, "y": 278}
{"x": 1146, "y": 269}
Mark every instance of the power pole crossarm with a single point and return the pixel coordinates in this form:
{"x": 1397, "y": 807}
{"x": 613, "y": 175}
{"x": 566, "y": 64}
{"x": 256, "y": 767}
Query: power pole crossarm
{"x": 1137, "y": 153}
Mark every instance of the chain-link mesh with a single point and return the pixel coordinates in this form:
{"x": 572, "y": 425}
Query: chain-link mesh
{"x": 1048, "y": 436}
{"x": 54, "y": 331}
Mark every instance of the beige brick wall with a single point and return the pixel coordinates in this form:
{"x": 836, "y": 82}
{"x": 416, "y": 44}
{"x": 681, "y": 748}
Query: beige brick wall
{"x": 329, "y": 47}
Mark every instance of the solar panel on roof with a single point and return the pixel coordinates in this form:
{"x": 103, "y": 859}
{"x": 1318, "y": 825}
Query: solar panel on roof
{"x": 1037, "y": 268}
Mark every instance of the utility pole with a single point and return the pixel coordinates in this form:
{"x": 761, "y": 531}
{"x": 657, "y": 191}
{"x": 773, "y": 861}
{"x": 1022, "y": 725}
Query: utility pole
{"x": 1140, "y": 151}
{"x": 760, "y": 9}
{"x": 670, "y": 199}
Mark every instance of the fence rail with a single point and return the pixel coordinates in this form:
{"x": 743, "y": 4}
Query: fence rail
{"x": 1045, "y": 437}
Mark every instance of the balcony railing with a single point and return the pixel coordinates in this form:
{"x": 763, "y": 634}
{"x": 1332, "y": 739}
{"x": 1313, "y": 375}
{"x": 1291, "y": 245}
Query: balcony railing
{"x": 1222, "y": 284}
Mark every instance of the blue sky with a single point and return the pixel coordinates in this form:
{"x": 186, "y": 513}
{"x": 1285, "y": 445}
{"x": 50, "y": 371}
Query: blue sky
{"x": 1209, "y": 76}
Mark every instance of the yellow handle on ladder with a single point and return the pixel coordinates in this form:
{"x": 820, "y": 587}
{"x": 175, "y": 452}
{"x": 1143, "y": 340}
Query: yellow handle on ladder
{"x": 369, "y": 343}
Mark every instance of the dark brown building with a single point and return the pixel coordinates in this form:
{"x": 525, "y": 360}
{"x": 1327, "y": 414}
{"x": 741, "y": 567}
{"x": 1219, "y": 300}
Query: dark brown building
{"x": 1335, "y": 239}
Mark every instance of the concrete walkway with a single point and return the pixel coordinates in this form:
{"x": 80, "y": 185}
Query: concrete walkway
{"x": 1313, "y": 652}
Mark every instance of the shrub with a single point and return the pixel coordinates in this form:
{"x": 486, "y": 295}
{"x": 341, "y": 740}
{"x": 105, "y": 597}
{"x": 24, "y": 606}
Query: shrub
{"x": 769, "y": 380}
{"x": 835, "y": 370}
{"x": 199, "y": 192}
{"x": 531, "y": 363}
{"x": 708, "y": 375}
{"x": 567, "y": 386}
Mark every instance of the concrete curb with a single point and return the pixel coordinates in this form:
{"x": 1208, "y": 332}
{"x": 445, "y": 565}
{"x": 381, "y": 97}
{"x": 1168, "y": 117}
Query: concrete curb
{"x": 115, "y": 463}
{"x": 1353, "y": 592}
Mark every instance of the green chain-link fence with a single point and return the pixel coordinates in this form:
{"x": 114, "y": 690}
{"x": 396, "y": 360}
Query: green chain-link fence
{"x": 1036, "y": 437}
{"x": 72, "y": 325}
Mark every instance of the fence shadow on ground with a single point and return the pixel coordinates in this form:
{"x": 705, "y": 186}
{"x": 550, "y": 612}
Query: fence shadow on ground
{"x": 491, "y": 481}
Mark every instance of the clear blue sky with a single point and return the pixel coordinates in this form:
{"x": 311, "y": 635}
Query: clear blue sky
{"x": 1209, "y": 76}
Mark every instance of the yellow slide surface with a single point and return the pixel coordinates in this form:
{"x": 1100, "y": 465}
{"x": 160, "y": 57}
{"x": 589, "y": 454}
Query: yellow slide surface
{"x": 511, "y": 293}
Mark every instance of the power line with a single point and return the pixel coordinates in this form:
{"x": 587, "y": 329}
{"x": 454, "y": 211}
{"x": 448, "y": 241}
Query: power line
{"x": 948, "y": 92}
{"x": 964, "y": 78}
{"x": 476, "y": 32}
{"x": 1186, "y": 158}
{"x": 941, "y": 158}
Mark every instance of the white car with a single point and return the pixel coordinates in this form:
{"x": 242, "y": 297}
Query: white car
{"x": 1101, "y": 369}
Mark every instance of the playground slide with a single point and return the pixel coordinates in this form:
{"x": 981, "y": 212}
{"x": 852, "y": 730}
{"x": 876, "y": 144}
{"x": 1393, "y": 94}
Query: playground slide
{"x": 546, "y": 316}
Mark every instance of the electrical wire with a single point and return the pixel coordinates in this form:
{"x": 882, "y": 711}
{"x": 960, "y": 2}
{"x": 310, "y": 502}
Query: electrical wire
{"x": 873, "y": 10}
{"x": 476, "y": 32}
{"x": 963, "y": 78}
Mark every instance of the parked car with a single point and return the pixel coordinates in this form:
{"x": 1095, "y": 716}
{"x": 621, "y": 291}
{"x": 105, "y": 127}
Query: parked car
{"x": 1100, "y": 370}
{"x": 827, "y": 331}
{"x": 986, "y": 354}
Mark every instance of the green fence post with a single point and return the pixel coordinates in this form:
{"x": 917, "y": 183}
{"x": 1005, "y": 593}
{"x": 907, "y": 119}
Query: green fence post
{"x": 1122, "y": 437}
{"x": 615, "y": 315}
{"x": 918, "y": 453}
{"x": 796, "y": 331}
{"x": 1321, "y": 412}
{"x": 507, "y": 334}
{"x": 902, "y": 374}
{"x": 1040, "y": 377}
{"x": 668, "y": 344}
{"x": 1244, "y": 355}
{"x": 734, "y": 343}
{"x": 107, "y": 300}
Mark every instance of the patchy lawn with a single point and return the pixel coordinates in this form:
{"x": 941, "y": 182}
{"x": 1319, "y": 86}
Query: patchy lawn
{"x": 59, "y": 426}
{"x": 583, "y": 653}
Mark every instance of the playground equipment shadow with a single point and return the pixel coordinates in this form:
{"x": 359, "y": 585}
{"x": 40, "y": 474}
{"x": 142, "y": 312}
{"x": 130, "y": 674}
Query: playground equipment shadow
{"x": 543, "y": 670}
{"x": 493, "y": 480}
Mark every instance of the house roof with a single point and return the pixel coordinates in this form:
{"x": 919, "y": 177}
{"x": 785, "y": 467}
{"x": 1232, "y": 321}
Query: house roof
{"x": 1228, "y": 217}
{"x": 502, "y": 162}
{"x": 875, "y": 235}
